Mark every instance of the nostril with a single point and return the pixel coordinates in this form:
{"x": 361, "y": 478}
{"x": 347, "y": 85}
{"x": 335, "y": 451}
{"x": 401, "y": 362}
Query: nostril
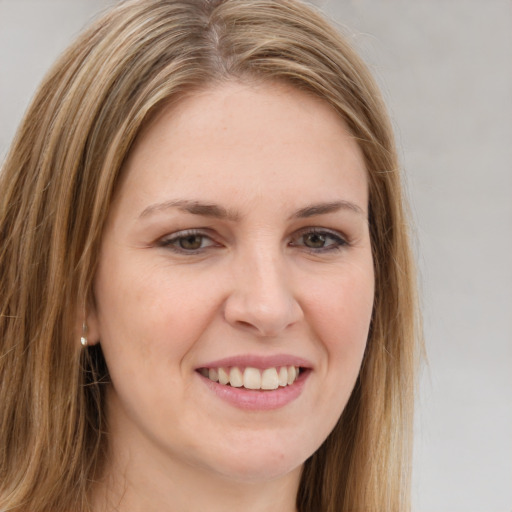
{"x": 242, "y": 323}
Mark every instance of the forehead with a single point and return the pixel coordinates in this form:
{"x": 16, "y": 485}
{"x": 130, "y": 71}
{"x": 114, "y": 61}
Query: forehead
{"x": 263, "y": 138}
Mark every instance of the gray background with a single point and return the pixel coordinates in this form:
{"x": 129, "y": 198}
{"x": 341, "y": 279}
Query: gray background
{"x": 446, "y": 71}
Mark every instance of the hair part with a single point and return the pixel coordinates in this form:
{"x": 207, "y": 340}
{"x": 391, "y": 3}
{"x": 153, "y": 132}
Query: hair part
{"x": 58, "y": 182}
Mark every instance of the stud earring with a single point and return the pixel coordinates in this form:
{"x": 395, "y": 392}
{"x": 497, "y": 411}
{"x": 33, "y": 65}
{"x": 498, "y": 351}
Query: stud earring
{"x": 83, "y": 338}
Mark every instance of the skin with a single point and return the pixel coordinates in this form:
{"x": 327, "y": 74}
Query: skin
{"x": 260, "y": 284}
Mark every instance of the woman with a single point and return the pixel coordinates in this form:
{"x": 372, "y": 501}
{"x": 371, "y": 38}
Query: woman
{"x": 207, "y": 289}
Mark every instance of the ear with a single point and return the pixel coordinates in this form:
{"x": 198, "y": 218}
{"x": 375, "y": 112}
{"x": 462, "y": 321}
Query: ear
{"x": 89, "y": 324}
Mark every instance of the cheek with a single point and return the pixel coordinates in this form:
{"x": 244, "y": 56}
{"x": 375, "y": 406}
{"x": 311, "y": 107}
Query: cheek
{"x": 149, "y": 323}
{"x": 152, "y": 312}
{"x": 340, "y": 313}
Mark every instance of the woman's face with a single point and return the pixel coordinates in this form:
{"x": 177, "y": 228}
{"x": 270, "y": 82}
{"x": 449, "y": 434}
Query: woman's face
{"x": 237, "y": 248}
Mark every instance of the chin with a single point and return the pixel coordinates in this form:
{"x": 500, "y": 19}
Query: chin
{"x": 260, "y": 459}
{"x": 251, "y": 472}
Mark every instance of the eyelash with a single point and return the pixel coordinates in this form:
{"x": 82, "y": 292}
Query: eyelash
{"x": 338, "y": 240}
{"x": 172, "y": 242}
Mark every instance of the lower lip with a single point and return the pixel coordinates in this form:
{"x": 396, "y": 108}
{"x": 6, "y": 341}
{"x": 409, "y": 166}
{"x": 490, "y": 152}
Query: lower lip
{"x": 258, "y": 400}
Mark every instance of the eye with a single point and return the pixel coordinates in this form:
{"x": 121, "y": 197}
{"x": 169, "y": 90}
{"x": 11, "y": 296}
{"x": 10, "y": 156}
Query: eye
{"x": 189, "y": 241}
{"x": 319, "y": 240}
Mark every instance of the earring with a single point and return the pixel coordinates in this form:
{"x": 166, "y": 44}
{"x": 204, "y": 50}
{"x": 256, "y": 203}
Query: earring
{"x": 83, "y": 338}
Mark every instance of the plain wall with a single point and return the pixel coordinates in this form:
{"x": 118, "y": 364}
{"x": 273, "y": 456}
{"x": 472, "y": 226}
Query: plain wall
{"x": 446, "y": 72}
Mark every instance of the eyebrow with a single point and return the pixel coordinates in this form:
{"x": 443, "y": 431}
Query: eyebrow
{"x": 324, "y": 208}
{"x": 219, "y": 212}
{"x": 193, "y": 207}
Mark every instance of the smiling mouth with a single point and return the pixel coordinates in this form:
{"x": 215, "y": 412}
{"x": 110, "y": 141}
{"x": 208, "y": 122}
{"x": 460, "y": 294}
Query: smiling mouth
{"x": 253, "y": 378}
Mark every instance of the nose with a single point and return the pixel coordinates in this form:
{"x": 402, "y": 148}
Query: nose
{"x": 262, "y": 298}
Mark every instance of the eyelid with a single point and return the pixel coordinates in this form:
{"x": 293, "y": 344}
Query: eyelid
{"x": 167, "y": 241}
{"x": 340, "y": 238}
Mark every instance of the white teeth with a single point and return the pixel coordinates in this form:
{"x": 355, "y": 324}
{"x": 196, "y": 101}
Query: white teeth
{"x": 283, "y": 376}
{"x": 292, "y": 374}
{"x": 253, "y": 378}
{"x": 223, "y": 376}
{"x": 269, "y": 379}
{"x": 236, "y": 377}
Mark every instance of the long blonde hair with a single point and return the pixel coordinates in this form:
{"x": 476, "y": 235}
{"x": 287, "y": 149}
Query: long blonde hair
{"x": 55, "y": 190}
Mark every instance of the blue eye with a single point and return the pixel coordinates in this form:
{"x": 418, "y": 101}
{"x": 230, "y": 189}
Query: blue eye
{"x": 187, "y": 242}
{"x": 317, "y": 240}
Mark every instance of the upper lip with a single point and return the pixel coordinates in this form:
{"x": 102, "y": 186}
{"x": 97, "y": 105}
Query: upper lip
{"x": 257, "y": 361}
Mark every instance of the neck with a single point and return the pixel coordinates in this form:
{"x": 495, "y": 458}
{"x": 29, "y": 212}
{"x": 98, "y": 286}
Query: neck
{"x": 182, "y": 489}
